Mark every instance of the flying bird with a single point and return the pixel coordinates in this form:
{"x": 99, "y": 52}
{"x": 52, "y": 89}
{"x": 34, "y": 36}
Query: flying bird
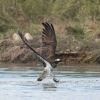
{"x": 47, "y": 57}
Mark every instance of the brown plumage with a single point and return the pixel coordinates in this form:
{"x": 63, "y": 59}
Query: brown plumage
{"x": 49, "y": 42}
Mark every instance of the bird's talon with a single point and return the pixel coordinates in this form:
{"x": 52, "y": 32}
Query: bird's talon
{"x": 56, "y": 80}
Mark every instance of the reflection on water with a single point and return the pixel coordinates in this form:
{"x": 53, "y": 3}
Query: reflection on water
{"x": 81, "y": 82}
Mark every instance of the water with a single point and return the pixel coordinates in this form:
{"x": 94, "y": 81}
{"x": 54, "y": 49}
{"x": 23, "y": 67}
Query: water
{"x": 76, "y": 83}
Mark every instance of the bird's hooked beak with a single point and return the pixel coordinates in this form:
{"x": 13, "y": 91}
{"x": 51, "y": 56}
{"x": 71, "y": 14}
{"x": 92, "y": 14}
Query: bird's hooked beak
{"x": 61, "y": 60}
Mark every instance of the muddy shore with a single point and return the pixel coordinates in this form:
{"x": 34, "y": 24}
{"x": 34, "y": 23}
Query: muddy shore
{"x": 18, "y": 52}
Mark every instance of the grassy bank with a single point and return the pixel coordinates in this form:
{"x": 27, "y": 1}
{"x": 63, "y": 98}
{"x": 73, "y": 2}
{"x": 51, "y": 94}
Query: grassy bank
{"x": 27, "y": 14}
{"x": 77, "y": 23}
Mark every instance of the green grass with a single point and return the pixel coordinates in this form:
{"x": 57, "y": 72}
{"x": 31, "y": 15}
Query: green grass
{"x": 26, "y": 15}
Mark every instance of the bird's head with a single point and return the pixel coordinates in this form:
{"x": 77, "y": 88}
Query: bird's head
{"x": 58, "y": 60}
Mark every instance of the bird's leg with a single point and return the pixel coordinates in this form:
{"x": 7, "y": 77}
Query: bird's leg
{"x": 43, "y": 75}
{"x": 55, "y": 80}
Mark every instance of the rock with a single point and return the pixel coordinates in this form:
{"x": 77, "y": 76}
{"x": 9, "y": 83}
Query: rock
{"x": 97, "y": 40}
{"x": 16, "y": 37}
{"x": 28, "y": 36}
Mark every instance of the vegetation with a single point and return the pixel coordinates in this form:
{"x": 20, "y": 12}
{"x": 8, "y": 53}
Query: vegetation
{"x": 16, "y": 14}
{"x": 77, "y": 22}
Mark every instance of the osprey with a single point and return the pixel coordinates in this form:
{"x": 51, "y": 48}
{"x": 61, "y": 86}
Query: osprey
{"x": 47, "y": 56}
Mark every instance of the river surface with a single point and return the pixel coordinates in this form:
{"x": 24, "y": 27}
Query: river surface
{"x": 79, "y": 82}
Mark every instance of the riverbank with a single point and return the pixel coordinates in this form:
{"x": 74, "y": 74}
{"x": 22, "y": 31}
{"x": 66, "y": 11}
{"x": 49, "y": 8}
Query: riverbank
{"x": 76, "y": 23}
{"x": 17, "y": 52}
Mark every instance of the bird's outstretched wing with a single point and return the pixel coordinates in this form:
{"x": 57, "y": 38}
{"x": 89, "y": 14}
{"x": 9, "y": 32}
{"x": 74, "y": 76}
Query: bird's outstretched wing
{"x": 49, "y": 42}
{"x": 40, "y": 58}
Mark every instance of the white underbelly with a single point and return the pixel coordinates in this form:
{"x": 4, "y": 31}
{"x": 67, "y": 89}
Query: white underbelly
{"x": 49, "y": 68}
